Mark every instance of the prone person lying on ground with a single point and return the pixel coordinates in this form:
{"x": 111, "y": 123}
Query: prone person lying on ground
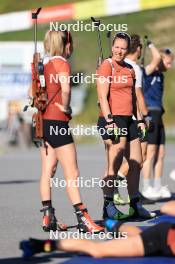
{"x": 156, "y": 240}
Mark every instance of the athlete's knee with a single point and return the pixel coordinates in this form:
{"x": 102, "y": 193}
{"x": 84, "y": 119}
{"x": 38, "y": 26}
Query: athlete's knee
{"x": 51, "y": 169}
{"x": 136, "y": 162}
{"x": 54, "y": 168}
{"x": 151, "y": 155}
{"x": 75, "y": 173}
{"x": 143, "y": 157}
{"x": 48, "y": 172}
{"x": 120, "y": 150}
{"x": 161, "y": 156}
{"x": 141, "y": 164}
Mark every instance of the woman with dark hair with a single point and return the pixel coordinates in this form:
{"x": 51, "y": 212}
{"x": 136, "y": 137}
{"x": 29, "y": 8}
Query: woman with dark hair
{"x": 116, "y": 94}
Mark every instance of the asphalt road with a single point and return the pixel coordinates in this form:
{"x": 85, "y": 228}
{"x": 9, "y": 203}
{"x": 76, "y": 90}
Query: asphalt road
{"x": 20, "y": 206}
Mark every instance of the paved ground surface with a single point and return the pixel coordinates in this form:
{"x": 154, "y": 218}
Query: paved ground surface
{"x": 20, "y": 204}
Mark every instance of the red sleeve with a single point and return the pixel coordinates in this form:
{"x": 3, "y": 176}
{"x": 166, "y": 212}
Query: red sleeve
{"x": 105, "y": 69}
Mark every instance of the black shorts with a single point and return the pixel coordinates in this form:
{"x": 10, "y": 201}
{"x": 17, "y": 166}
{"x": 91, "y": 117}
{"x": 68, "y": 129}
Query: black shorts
{"x": 157, "y": 136}
{"x": 57, "y": 133}
{"x": 127, "y": 127}
{"x": 155, "y": 240}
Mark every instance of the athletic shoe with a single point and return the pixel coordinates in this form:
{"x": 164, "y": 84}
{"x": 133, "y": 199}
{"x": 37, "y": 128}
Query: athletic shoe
{"x": 128, "y": 200}
{"x": 151, "y": 194}
{"x": 113, "y": 227}
{"x": 118, "y": 199}
{"x": 110, "y": 211}
{"x": 49, "y": 220}
{"x": 172, "y": 175}
{"x": 137, "y": 210}
{"x": 27, "y": 249}
{"x": 141, "y": 212}
{"x": 164, "y": 192}
{"x": 144, "y": 200}
{"x": 85, "y": 223}
{"x": 33, "y": 246}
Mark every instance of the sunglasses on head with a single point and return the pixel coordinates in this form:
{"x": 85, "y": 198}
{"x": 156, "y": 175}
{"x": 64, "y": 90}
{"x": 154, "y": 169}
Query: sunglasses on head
{"x": 123, "y": 35}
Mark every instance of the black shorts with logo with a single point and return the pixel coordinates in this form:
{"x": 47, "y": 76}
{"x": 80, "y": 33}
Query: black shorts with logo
{"x": 127, "y": 127}
{"x": 57, "y": 133}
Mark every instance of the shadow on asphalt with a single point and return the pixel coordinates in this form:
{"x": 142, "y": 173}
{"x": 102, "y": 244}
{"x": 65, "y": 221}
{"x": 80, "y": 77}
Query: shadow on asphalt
{"x": 43, "y": 259}
{"x": 17, "y": 182}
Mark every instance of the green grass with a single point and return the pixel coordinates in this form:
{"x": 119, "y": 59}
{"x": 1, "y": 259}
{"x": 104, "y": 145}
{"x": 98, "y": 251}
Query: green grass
{"x": 90, "y": 112}
{"x": 157, "y": 24}
{"x": 170, "y": 139}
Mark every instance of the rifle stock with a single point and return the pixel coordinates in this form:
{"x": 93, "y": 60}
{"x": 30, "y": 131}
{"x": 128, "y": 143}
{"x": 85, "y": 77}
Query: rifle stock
{"x": 37, "y": 121}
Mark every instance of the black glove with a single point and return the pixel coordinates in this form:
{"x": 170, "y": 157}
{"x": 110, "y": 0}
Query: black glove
{"x": 112, "y": 131}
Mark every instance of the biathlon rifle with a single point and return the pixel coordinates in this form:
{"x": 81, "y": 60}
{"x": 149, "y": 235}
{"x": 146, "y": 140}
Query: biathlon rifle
{"x": 108, "y": 35}
{"x": 101, "y": 57}
{"x": 39, "y": 94}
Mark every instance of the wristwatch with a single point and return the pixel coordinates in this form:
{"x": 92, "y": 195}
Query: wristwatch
{"x": 140, "y": 121}
{"x": 68, "y": 111}
{"x": 109, "y": 116}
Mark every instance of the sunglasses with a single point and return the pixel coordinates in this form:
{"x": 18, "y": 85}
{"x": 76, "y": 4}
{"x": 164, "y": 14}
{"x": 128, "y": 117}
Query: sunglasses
{"x": 122, "y": 35}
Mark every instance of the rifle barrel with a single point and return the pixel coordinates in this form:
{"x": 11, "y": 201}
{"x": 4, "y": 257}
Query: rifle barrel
{"x": 35, "y": 17}
{"x": 97, "y": 23}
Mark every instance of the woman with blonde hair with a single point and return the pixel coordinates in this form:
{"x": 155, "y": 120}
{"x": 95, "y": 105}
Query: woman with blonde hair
{"x": 58, "y": 139}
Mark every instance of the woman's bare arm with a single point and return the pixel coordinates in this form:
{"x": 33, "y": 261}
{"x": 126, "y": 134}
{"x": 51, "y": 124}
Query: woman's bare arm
{"x": 156, "y": 58}
{"x": 128, "y": 247}
{"x": 168, "y": 208}
{"x": 65, "y": 89}
{"x": 103, "y": 90}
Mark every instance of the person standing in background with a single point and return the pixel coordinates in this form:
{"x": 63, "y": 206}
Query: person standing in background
{"x": 153, "y": 88}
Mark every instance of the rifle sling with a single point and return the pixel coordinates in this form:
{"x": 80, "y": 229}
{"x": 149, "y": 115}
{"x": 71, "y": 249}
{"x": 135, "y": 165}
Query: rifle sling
{"x": 53, "y": 96}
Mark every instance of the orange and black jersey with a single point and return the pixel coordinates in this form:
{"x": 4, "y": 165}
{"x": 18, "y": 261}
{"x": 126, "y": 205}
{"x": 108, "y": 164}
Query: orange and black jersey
{"x": 52, "y": 68}
{"x": 122, "y": 79}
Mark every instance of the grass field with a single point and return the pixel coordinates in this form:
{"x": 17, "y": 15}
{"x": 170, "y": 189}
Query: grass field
{"x": 157, "y": 24}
